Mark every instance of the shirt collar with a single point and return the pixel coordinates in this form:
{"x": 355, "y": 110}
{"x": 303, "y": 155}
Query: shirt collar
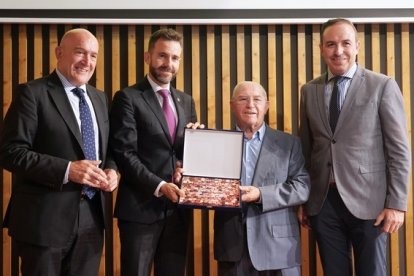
{"x": 259, "y": 133}
{"x": 155, "y": 86}
{"x": 66, "y": 84}
{"x": 349, "y": 74}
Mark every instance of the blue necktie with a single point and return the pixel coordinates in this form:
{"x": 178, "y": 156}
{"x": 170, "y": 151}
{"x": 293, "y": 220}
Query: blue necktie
{"x": 88, "y": 136}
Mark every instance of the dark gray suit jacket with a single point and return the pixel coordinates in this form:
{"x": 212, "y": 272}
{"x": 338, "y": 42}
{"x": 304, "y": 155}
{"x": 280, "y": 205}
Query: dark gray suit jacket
{"x": 369, "y": 151}
{"x": 39, "y": 138}
{"x": 143, "y": 150}
{"x": 272, "y": 227}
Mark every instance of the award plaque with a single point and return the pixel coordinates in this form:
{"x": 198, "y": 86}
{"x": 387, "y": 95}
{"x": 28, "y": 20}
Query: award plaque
{"x": 212, "y": 167}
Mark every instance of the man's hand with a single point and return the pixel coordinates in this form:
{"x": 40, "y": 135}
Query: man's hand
{"x": 391, "y": 220}
{"x": 195, "y": 125}
{"x": 178, "y": 172}
{"x": 303, "y": 218}
{"x": 171, "y": 191}
{"x": 87, "y": 172}
{"x": 250, "y": 193}
{"x": 112, "y": 178}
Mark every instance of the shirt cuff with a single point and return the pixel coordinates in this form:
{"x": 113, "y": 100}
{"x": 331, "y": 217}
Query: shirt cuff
{"x": 157, "y": 192}
{"x": 66, "y": 177}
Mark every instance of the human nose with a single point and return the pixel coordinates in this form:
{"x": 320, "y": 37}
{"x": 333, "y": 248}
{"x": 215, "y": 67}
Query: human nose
{"x": 339, "y": 50}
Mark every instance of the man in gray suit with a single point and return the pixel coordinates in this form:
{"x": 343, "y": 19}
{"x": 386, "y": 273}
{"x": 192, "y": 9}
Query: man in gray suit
{"x": 263, "y": 239}
{"x": 356, "y": 150}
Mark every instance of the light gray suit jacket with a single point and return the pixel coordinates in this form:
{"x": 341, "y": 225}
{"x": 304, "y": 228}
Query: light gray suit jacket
{"x": 272, "y": 227}
{"x": 369, "y": 151}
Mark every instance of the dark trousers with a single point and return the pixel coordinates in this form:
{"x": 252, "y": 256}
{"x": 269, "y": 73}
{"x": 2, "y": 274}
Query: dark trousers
{"x": 245, "y": 267}
{"x": 337, "y": 232}
{"x": 79, "y": 257}
{"x": 163, "y": 242}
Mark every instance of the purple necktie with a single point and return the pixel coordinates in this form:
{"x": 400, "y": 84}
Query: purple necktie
{"x": 88, "y": 135}
{"x": 168, "y": 112}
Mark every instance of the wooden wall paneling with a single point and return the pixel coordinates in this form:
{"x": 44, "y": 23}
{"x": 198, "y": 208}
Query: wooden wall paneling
{"x": 22, "y": 64}
{"x": 240, "y": 56}
{"x": 256, "y": 54}
{"x": 211, "y": 80}
{"x": 287, "y": 80}
{"x": 195, "y": 90}
{"x": 361, "y": 38}
{"x": 271, "y": 75}
{"x": 316, "y": 52}
{"x": 53, "y": 43}
{"x": 100, "y": 65}
{"x": 301, "y": 54}
{"x": 390, "y": 58}
{"x": 179, "y": 83}
{"x": 406, "y": 88}
{"x": 375, "y": 48}
{"x": 147, "y": 35}
{"x": 225, "y": 76}
{"x": 132, "y": 56}
{"x": 38, "y": 50}
{"x": 212, "y": 123}
{"x": 6, "y": 100}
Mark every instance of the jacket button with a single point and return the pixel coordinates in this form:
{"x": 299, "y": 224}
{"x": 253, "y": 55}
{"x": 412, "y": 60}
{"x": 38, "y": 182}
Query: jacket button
{"x": 333, "y": 141}
{"x": 329, "y": 164}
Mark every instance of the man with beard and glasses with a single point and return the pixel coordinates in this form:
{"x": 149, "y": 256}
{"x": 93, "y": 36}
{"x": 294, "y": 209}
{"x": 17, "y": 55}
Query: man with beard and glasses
{"x": 147, "y": 128}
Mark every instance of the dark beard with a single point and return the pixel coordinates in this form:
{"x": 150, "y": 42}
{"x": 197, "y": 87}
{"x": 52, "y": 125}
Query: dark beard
{"x": 158, "y": 78}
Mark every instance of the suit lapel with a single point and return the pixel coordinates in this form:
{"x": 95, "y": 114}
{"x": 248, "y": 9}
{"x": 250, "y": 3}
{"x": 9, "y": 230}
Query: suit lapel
{"x": 268, "y": 151}
{"x": 354, "y": 87}
{"x": 152, "y": 101}
{"x": 320, "y": 101}
{"x": 58, "y": 95}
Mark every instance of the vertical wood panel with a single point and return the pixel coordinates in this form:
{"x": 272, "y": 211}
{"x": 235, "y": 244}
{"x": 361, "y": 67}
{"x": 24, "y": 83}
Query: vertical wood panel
{"x": 225, "y": 76}
{"x": 287, "y": 80}
{"x": 375, "y": 48}
{"x": 271, "y": 75}
{"x": 361, "y": 37}
{"x": 255, "y": 54}
{"x": 132, "y": 56}
{"x": 240, "y": 58}
{"x": 38, "y": 49}
{"x": 7, "y": 97}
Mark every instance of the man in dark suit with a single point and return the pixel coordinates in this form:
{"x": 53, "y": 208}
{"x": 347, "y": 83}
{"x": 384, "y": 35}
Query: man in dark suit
{"x": 58, "y": 229}
{"x": 354, "y": 136}
{"x": 146, "y": 145}
{"x": 264, "y": 239}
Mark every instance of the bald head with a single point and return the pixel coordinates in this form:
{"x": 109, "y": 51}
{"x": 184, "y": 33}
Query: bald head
{"x": 77, "y": 56}
{"x": 248, "y": 86}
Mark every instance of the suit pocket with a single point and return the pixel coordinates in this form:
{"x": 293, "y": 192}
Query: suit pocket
{"x": 285, "y": 231}
{"x": 373, "y": 173}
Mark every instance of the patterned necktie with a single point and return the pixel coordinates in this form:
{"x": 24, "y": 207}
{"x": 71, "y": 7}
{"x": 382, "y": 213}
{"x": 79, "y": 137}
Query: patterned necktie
{"x": 88, "y": 136}
{"x": 168, "y": 112}
{"x": 334, "y": 106}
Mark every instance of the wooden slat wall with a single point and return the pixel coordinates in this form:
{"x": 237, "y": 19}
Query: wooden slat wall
{"x": 281, "y": 57}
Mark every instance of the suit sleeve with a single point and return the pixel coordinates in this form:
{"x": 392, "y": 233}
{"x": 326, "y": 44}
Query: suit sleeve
{"x": 18, "y": 142}
{"x": 295, "y": 189}
{"x": 124, "y": 143}
{"x": 396, "y": 146}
